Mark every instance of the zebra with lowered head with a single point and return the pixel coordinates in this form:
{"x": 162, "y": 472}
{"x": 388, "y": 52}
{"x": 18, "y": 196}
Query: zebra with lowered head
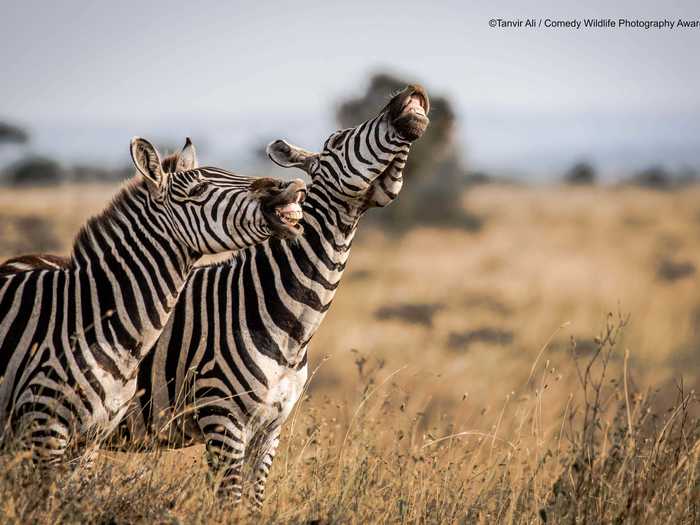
{"x": 232, "y": 361}
{"x": 73, "y": 331}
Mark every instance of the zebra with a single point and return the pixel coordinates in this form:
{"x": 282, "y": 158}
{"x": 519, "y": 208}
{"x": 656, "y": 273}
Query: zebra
{"x": 232, "y": 360}
{"x": 73, "y": 332}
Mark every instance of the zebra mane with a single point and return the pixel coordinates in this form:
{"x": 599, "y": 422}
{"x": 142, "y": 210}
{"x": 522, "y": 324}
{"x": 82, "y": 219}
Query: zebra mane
{"x": 128, "y": 192}
{"x": 169, "y": 162}
{"x": 54, "y": 262}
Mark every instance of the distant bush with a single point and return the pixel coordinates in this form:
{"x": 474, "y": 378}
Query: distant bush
{"x": 485, "y": 334}
{"x": 654, "y": 177}
{"x": 412, "y": 313}
{"x": 34, "y": 171}
{"x": 478, "y": 177}
{"x": 11, "y": 134}
{"x": 672, "y": 270}
{"x": 43, "y": 171}
{"x": 581, "y": 173}
{"x": 661, "y": 178}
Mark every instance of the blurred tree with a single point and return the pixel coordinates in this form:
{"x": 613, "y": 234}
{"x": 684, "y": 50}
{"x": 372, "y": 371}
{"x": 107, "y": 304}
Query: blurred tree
{"x": 654, "y": 177}
{"x": 479, "y": 177}
{"x": 32, "y": 171}
{"x": 434, "y": 178}
{"x": 581, "y": 173}
{"x": 688, "y": 175}
{"x": 10, "y": 134}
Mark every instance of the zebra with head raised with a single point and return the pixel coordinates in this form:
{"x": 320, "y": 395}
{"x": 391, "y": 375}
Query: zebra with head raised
{"x": 72, "y": 332}
{"x": 232, "y": 361}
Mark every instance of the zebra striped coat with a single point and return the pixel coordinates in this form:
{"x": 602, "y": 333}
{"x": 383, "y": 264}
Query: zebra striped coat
{"x": 232, "y": 361}
{"x": 72, "y": 335}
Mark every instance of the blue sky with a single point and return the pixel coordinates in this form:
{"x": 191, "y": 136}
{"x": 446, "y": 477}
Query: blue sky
{"x": 86, "y": 76}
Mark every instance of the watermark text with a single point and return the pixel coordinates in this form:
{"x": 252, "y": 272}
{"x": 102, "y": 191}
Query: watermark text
{"x": 580, "y": 24}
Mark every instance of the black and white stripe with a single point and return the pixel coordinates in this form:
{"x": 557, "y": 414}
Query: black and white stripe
{"x": 73, "y": 332}
{"x": 232, "y": 361}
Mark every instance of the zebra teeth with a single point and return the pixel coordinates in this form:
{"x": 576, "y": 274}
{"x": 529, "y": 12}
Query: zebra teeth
{"x": 289, "y": 213}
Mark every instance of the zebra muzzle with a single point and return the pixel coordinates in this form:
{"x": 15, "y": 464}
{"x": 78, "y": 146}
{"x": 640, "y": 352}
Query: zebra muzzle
{"x": 283, "y": 209}
{"x": 408, "y": 112}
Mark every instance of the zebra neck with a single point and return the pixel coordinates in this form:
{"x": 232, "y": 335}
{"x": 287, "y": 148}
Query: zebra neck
{"x": 133, "y": 267}
{"x": 329, "y": 228}
{"x": 320, "y": 255}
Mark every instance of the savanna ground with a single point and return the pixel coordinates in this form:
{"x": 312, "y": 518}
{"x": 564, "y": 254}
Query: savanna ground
{"x": 540, "y": 369}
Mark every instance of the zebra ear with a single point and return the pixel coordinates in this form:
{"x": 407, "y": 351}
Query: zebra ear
{"x": 187, "y": 160}
{"x": 287, "y": 155}
{"x": 147, "y": 161}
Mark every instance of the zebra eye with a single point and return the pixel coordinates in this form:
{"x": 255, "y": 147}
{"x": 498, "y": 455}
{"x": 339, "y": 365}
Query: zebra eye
{"x": 198, "y": 189}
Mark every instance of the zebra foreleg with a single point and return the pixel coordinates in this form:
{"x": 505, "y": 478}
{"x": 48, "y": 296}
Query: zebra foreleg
{"x": 262, "y": 465}
{"x": 42, "y": 435}
{"x": 225, "y": 454}
{"x": 43, "y": 424}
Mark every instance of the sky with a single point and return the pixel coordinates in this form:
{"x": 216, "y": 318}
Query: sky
{"x": 84, "y": 77}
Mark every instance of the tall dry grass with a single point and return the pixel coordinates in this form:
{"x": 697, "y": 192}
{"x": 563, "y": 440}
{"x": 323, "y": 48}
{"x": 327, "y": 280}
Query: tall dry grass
{"x": 460, "y": 378}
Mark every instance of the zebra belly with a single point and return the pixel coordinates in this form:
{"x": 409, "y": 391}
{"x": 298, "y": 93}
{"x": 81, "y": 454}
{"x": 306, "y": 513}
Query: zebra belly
{"x": 118, "y": 394}
{"x": 284, "y": 390}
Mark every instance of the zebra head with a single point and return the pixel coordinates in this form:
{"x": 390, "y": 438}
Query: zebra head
{"x": 364, "y": 164}
{"x": 212, "y": 210}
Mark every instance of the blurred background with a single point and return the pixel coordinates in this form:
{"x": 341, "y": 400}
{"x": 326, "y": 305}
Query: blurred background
{"x": 556, "y": 182}
{"x": 79, "y": 79}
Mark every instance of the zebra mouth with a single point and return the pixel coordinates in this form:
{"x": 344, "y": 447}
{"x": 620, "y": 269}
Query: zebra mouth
{"x": 283, "y": 212}
{"x": 290, "y": 214}
{"x": 408, "y": 112}
{"x": 415, "y": 104}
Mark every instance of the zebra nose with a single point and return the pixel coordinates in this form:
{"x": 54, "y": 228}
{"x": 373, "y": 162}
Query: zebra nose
{"x": 297, "y": 186}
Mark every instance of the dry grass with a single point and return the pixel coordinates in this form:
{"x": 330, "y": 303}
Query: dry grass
{"x": 455, "y": 387}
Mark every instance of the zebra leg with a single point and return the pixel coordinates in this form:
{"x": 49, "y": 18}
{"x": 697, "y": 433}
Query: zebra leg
{"x": 43, "y": 423}
{"x": 42, "y": 434}
{"x": 226, "y": 446}
{"x": 262, "y": 466}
